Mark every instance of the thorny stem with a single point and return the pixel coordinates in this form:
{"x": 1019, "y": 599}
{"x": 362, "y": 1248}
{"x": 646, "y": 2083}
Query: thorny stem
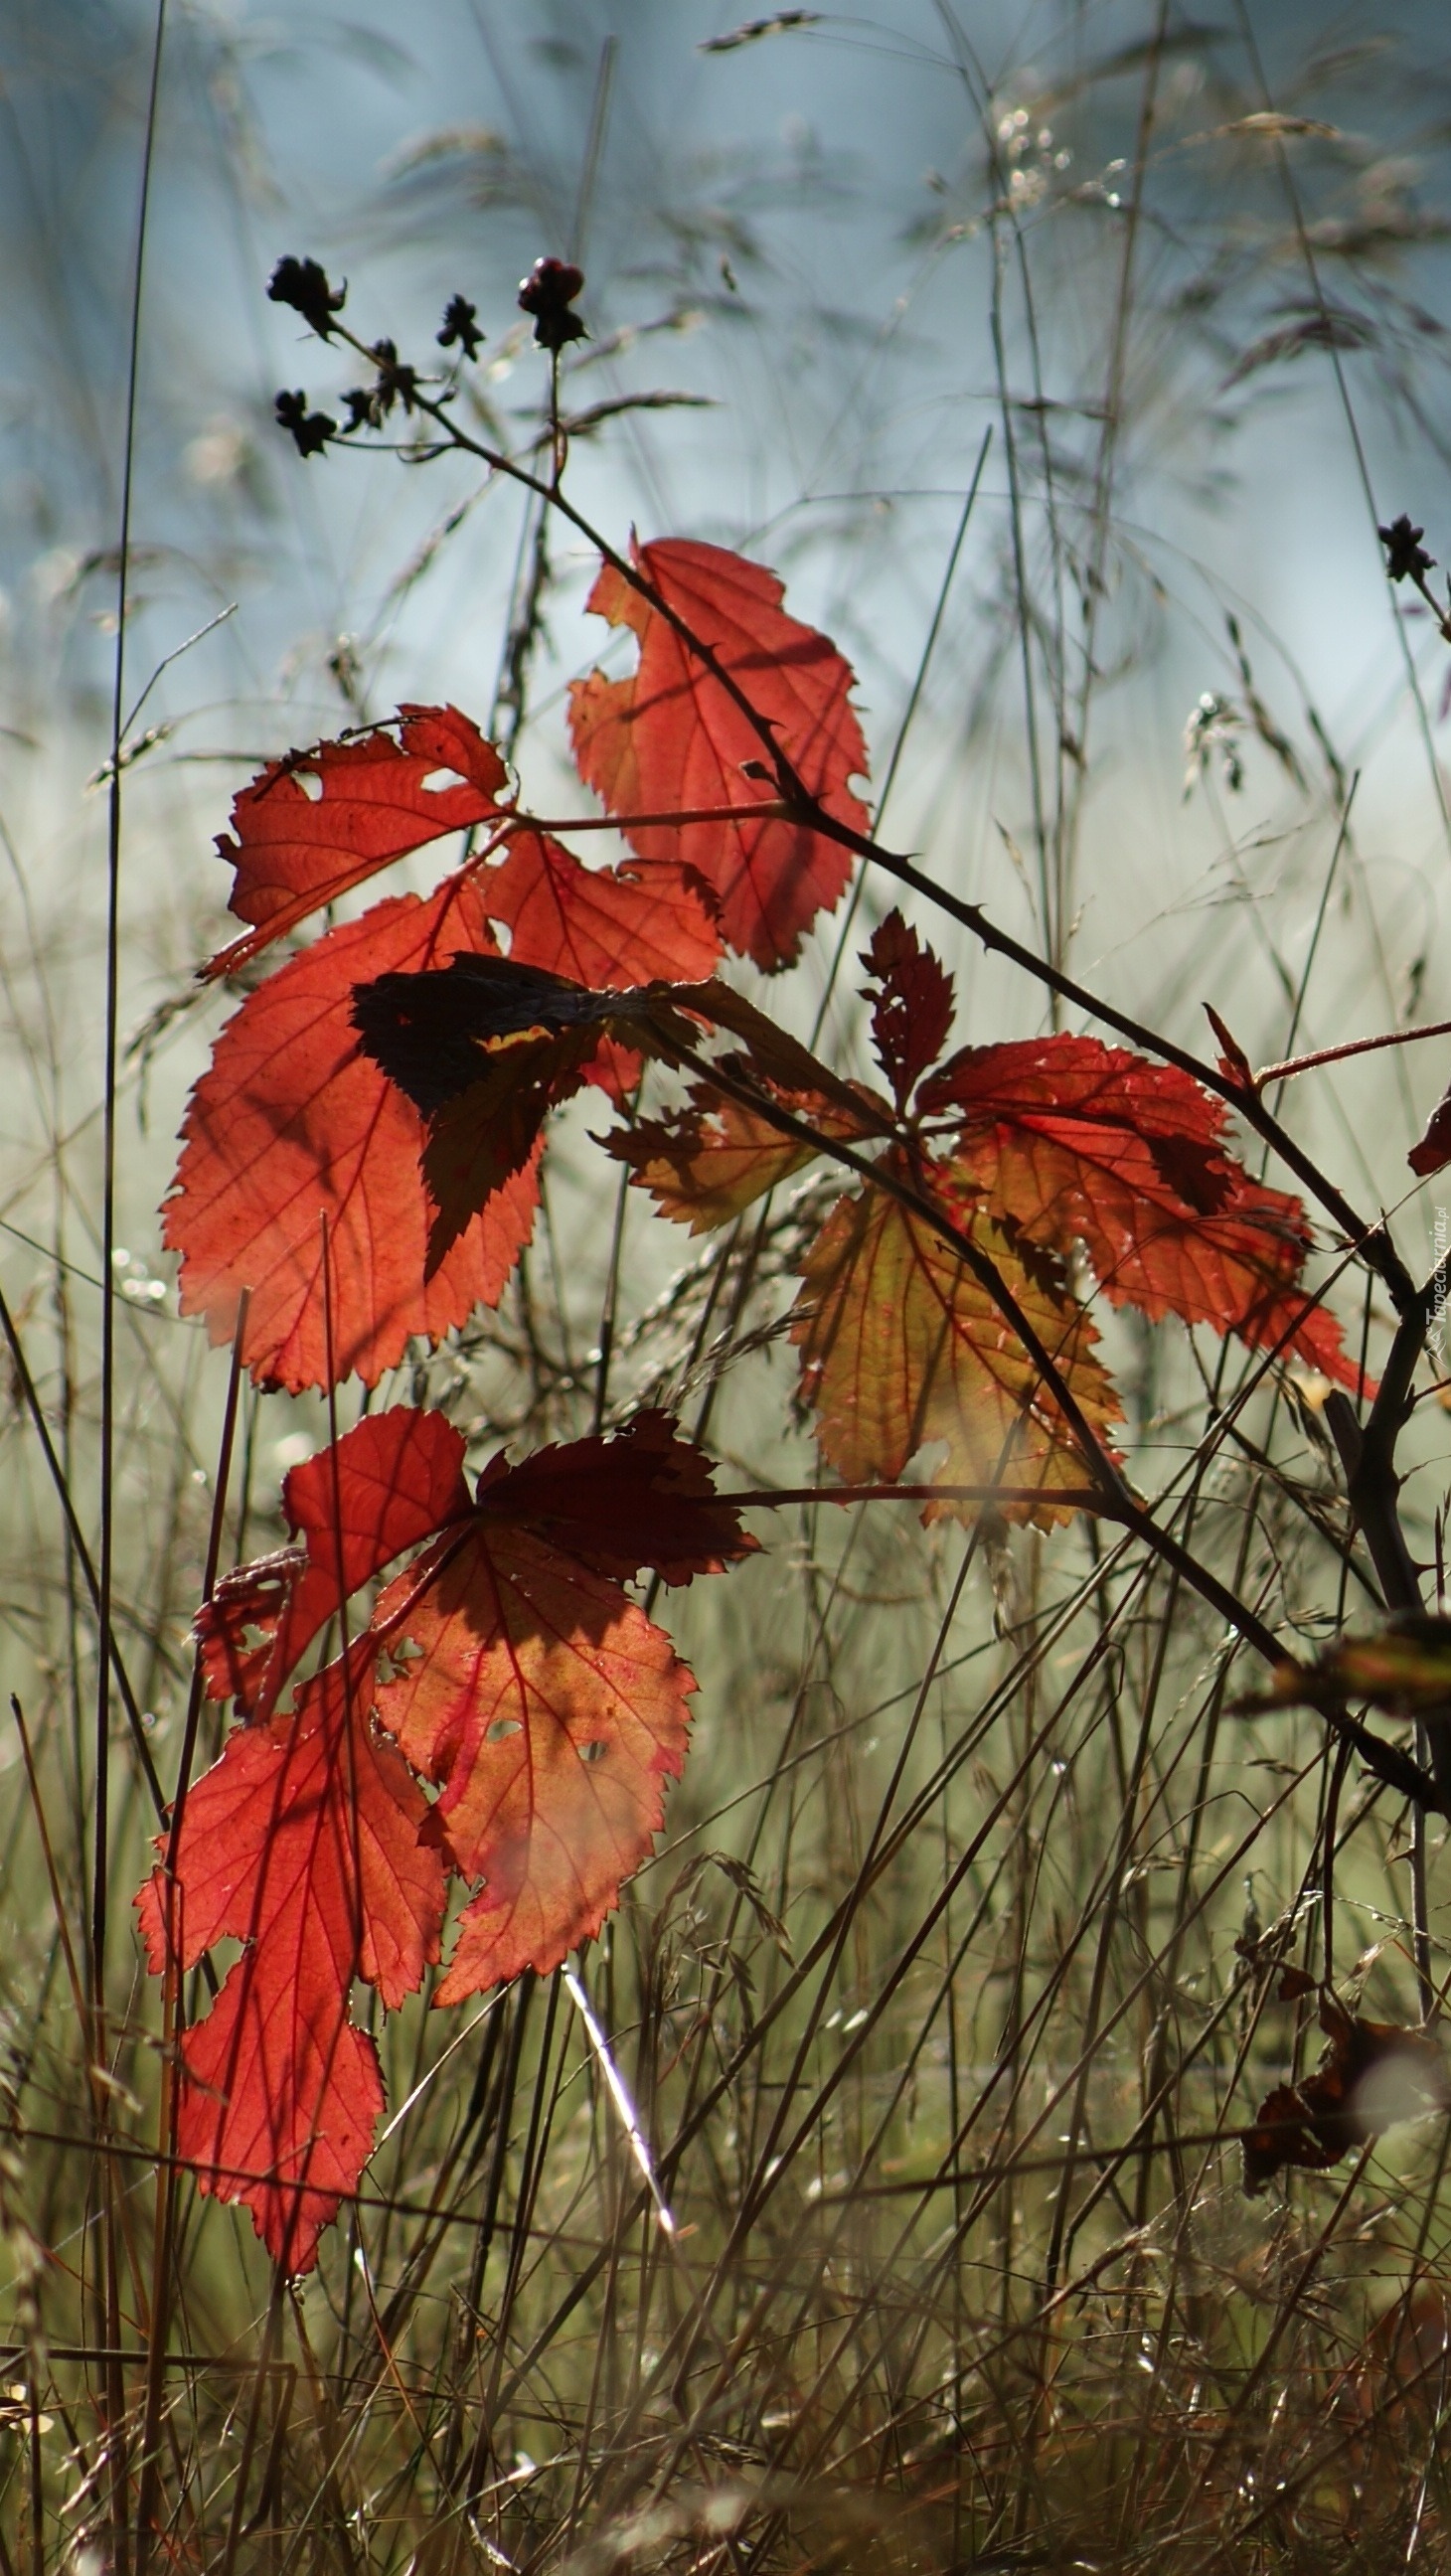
{"x": 1269, "y": 1073}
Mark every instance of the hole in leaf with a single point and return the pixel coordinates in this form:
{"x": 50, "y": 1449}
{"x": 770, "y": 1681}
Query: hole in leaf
{"x": 439, "y": 781}
{"x": 594, "y": 1752}
{"x": 395, "y": 1658}
{"x": 310, "y": 783}
{"x": 501, "y": 1727}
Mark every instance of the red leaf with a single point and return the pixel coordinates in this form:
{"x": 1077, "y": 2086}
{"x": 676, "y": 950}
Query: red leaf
{"x": 389, "y": 1483}
{"x": 294, "y": 851}
{"x": 1083, "y": 1142}
{"x": 671, "y": 738}
{"x": 902, "y": 1346}
{"x": 912, "y": 1012}
{"x": 292, "y": 1122}
{"x": 602, "y": 927}
{"x": 542, "y": 1700}
{"x": 552, "y": 1713}
{"x": 303, "y": 1841}
{"x": 521, "y": 1679}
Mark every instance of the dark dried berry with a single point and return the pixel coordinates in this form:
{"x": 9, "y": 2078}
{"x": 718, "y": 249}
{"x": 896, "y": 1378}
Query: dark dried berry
{"x": 306, "y": 287}
{"x": 548, "y": 292}
{"x": 461, "y": 324}
{"x": 1404, "y": 550}
{"x": 369, "y": 405}
{"x": 397, "y": 382}
{"x": 311, "y": 429}
{"x": 363, "y": 412}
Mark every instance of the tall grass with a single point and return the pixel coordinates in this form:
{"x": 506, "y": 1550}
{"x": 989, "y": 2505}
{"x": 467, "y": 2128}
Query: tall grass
{"x": 955, "y": 1975}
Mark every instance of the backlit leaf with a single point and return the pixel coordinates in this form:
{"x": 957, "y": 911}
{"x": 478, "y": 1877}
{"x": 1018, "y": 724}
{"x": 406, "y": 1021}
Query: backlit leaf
{"x": 599, "y": 926}
{"x": 292, "y": 1123}
{"x": 305, "y": 1842}
{"x": 546, "y": 1706}
{"x": 901, "y": 1346}
{"x": 389, "y": 1483}
{"x": 552, "y": 1713}
{"x": 1083, "y": 1142}
{"x": 912, "y": 1007}
{"x": 518, "y": 1677}
{"x": 704, "y": 1163}
{"x": 323, "y": 820}
{"x": 670, "y": 738}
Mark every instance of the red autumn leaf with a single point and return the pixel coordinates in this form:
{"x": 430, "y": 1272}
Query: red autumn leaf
{"x": 1082, "y": 1142}
{"x": 599, "y": 926}
{"x": 389, "y": 1483}
{"x": 912, "y": 1010}
{"x": 552, "y": 1712}
{"x": 1371, "y": 2075}
{"x": 292, "y": 1123}
{"x": 295, "y": 850}
{"x": 544, "y": 1703}
{"x": 671, "y": 739}
{"x": 311, "y": 1842}
{"x": 304, "y": 1842}
{"x": 902, "y": 1346}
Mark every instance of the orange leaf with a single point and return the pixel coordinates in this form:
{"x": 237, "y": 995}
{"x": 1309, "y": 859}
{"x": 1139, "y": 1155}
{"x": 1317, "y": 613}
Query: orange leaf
{"x": 542, "y": 1700}
{"x": 303, "y": 1841}
{"x": 375, "y": 800}
{"x": 1083, "y": 1142}
{"x": 292, "y": 1123}
{"x": 552, "y": 1712}
{"x": 671, "y": 739}
{"x": 703, "y": 1164}
{"x": 902, "y": 1346}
